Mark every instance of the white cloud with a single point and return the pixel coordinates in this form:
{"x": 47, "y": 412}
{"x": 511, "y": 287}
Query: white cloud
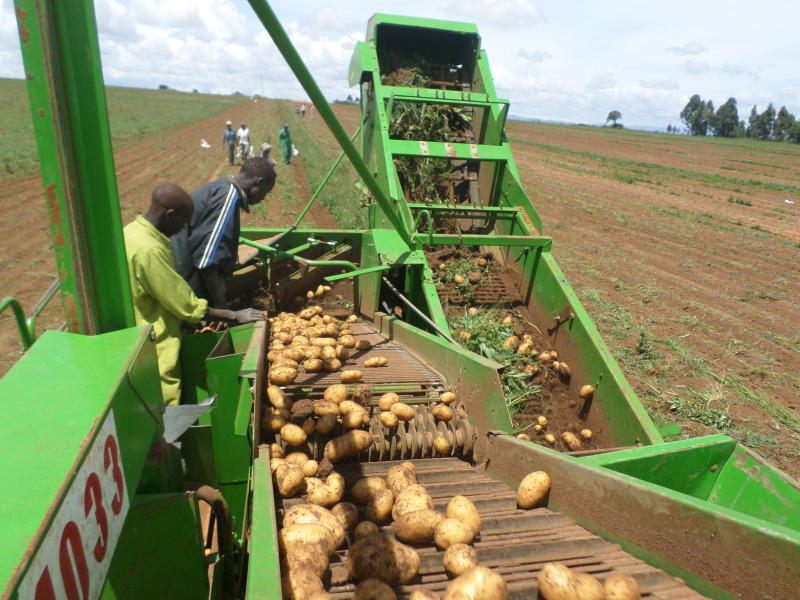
{"x": 534, "y": 56}
{"x": 601, "y": 81}
{"x": 688, "y": 49}
{"x": 504, "y": 13}
{"x": 695, "y": 67}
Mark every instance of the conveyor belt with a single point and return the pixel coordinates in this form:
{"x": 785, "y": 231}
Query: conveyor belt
{"x": 516, "y": 543}
{"x": 491, "y": 291}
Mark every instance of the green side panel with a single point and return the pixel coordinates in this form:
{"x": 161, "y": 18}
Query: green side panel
{"x": 263, "y": 571}
{"x": 198, "y": 453}
{"x": 749, "y": 484}
{"x": 194, "y": 351}
{"x": 720, "y": 552}
{"x": 160, "y": 552}
{"x": 686, "y": 466}
{"x": 379, "y": 19}
{"x": 53, "y": 401}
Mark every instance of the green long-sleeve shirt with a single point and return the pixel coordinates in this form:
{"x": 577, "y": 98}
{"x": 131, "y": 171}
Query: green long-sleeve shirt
{"x": 161, "y": 298}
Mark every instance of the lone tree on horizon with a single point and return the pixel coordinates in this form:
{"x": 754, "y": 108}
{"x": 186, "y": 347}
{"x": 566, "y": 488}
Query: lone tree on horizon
{"x": 614, "y": 116}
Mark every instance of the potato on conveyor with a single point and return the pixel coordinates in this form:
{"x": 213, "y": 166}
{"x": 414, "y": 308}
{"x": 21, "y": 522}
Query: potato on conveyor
{"x": 293, "y": 434}
{"x": 459, "y": 558}
{"x": 462, "y": 508}
{"x": 348, "y": 445}
{"x": 379, "y": 506}
{"x": 289, "y": 479}
{"x": 376, "y": 361}
{"x": 374, "y": 589}
{"x": 364, "y": 529}
{"x": 335, "y": 393}
{"x": 388, "y": 399}
{"x": 403, "y": 411}
{"x": 389, "y": 420}
{"x": 307, "y": 533}
{"x": 442, "y": 413}
{"x": 533, "y": 489}
{"x": 413, "y": 497}
{"x": 364, "y": 488}
{"x": 452, "y": 531}
{"x": 399, "y": 478}
{"x": 325, "y": 493}
{"x": 417, "y": 527}
{"x": 479, "y": 583}
{"x": 282, "y": 375}
{"x": 350, "y": 376}
{"x": 621, "y": 587}
{"x": 347, "y": 513}
{"x": 302, "y": 514}
{"x": 380, "y": 556}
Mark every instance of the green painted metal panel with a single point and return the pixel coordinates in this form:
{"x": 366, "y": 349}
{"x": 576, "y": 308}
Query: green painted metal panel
{"x": 748, "y": 484}
{"x": 379, "y": 19}
{"x": 446, "y": 239}
{"x": 263, "y": 573}
{"x": 721, "y": 552}
{"x": 194, "y": 351}
{"x": 160, "y": 553}
{"x": 67, "y": 97}
{"x": 55, "y": 402}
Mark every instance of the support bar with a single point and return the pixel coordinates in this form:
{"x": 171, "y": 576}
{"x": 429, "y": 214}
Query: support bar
{"x": 418, "y": 312}
{"x": 305, "y": 261}
{"x": 446, "y": 239}
{"x": 287, "y": 49}
{"x": 449, "y": 150}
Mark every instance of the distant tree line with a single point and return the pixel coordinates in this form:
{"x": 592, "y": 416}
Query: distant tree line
{"x": 701, "y": 119}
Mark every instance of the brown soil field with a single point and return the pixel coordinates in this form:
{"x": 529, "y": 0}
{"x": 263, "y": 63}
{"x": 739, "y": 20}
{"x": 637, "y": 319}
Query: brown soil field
{"x": 685, "y": 253}
{"x": 683, "y": 250}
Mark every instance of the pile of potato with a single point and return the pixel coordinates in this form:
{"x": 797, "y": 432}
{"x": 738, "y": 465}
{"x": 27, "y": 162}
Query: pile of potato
{"x": 313, "y": 531}
{"x": 315, "y": 342}
{"x": 559, "y": 582}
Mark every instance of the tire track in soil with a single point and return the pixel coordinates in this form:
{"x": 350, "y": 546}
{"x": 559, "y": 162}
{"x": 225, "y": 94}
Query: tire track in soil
{"x": 27, "y": 266}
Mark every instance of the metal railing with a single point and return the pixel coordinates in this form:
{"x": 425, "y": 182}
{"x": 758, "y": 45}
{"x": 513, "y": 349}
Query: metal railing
{"x": 26, "y": 325}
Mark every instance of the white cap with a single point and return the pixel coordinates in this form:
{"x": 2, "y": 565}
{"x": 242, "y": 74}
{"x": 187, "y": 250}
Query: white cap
{"x": 228, "y": 123}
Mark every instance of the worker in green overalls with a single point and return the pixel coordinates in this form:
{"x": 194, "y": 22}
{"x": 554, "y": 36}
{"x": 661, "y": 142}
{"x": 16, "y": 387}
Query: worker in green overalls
{"x": 161, "y": 297}
{"x": 285, "y": 140}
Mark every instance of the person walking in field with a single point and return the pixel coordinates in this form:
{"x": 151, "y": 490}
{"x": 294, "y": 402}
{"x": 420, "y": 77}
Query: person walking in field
{"x": 285, "y": 140}
{"x": 206, "y": 250}
{"x": 229, "y": 140}
{"x": 161, "y": 297}
{"x": 243, "y": 140}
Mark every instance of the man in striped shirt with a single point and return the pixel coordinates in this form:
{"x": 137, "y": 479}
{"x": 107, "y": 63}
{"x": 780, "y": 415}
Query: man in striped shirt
{"x": 206, "y": 249}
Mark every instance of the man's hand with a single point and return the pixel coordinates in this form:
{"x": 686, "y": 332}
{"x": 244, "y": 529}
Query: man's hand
{"x": 247, "y": 315}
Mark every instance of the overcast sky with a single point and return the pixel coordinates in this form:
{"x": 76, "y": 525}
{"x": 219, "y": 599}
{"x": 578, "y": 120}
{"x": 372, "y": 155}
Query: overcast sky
{"x": 559, "y": 60}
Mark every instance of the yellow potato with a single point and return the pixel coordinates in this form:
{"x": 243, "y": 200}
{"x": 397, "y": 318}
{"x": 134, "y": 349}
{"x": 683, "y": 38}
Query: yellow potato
{"x": 355, "y": 418}
{"x": 587, "y": 391}
{"x": 307, "y": 313}
{"x": 571, "y": 440}
{"x": 350, "y": 376}
{"x": 323, "y": 341}
{"x": 525, "y": 348}
{"x": 363, "y": 345}
{"x": 327, "y": 352}
{"x": 282, "y": 375}
{"x": 313, "y": 352}
{"x": 346, "y": 406}
{"x": 326, "y": 423}
{"x": 306, "y": 557}
{"x": 351, "y": 319}
{"x": 347, "y": 513}
{"x": 462, "y": 508}
{"x": 399, "y": 477}
{"x": 511, "y": 343}
{"x": 379, "y": 506}
{"x": 452, "y": 531}
{"x": 557, "y": 582}
{"x": 380, "y": 556}
{"x": 348, "y": 341}
{"x": 296, "y": 353}
{"x": 298, "y": 583}
{"x": 312, "y": 365}
{"x": 301, "y": 514}
{"x": 365, "y": 528}
{"x": 459, "y": 558}
{"x": 363, "y": 489}
{"x": 550, "y": 439}
{"x": 508, "y": 320}
{"x": 442, "y": 445}
{"x": 276, "y": 397}
{"x": 442, "y": 413}
{"x": 289, "y": 479}
{"x": 533, "y": 489}
{"x": 376, "y": 361}
{"x": 479, "y": 583}
{"x": 402, "y": 411}
{"x": 297, "y": 458}
{"x": 328, "y": 493}
{"x": 524, "y": 436}
{"x": 541, "y": 420}
{"x": 341, "y": 352}
{"x": 386, "y": 401}
{"x": 310, "y": 468}
{"x": 417, "y": 527}
{"x": 273, "y": 422}
{"x": 388, "y": 419}
{"x": 349, "y": 445}
{"x": 586, "y": 434}
{"x": 447, "y": 398}
{"x": 331, "y": 364}
{"x": 413, "y": 497}
{"x": 323, "y": 407}
{"x": 565, "y": 370}
{"x": 588, "y": 587}
{"x": 300, "y": 340}
{"x": 335, "y": 393}
{"x": 293, "y": 435}
{"x": 621, "y": 587}
{"x": 374, "y": 589}
{"x": 275, "y": 451}
{"x": 307, "y": 533}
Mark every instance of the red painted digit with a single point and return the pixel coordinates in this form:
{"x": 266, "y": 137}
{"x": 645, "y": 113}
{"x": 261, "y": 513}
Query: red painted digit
{"x": 44, "y": 587}
{"x": 111, "y": 458}
{"x": 72, "y": 560}
{"x": 93, "y": 497}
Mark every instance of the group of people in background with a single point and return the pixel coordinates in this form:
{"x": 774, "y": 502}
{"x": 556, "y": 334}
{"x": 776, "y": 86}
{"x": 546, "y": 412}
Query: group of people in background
{"x": 238, "y": 144}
